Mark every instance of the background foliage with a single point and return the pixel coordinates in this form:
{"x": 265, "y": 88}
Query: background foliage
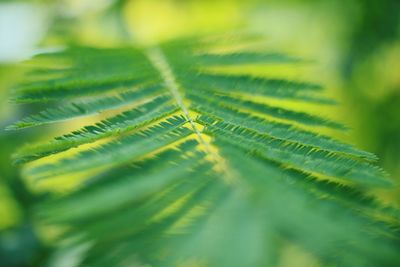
{"x": 356, "y": 45}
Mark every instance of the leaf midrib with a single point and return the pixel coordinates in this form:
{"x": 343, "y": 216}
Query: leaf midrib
{"x": 160, "y": 63}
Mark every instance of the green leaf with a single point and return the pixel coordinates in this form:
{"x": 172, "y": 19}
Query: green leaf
{"x": 198, "y": 167}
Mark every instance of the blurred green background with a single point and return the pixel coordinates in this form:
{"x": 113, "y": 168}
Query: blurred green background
{"x": 355, "y": 45}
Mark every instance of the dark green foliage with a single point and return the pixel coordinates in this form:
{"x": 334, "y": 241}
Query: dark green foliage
{"x": 194, "y": 169}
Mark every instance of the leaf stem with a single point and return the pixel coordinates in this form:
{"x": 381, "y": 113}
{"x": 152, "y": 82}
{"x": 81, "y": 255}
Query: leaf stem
{"x": 159, "y": 61}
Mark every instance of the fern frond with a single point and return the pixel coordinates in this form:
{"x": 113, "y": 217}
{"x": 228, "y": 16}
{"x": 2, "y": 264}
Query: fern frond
{"x": 86, "y": 108}
{"x": 124, "y": 122}
{"x": 299, "y": 156}
{"x": 242, "y": 58}
{"x": 119, "y": 151}
{"x": 89, "y": 74}
{"x": 264, "y": 109}
{"x": 281, "y": 131}
{"x": 255, "y": 86}
{"x": 131, "y": 183}
{"x": 193, "y": 169}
